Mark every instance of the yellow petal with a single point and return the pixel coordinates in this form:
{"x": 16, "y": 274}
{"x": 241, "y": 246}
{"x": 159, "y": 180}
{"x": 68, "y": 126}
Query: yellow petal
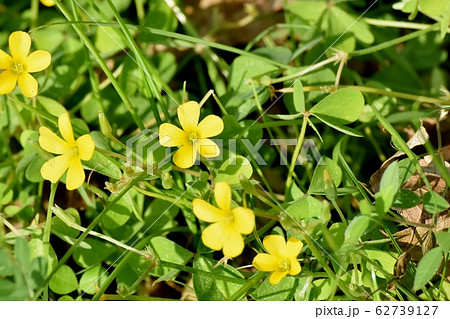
{"x": 65, "y": 127}
{"x": 55, "y": 168}
{"x": 207, "y": 148}
{"x": 188, "y": 114}
{"x": 244, "y": 220}
{"x": 212, "y": 236}
{"x": 222, "y": 195}
{"x": 295, "y": 267}
{"x": 38, "y": 61}
{"x": 206, "y": 212}
{"x": 293, "y": 247}
{"x": 86, "y": 147}
{"x": 186, "y": 156}
{"x": 274, "y": 244}
{"x": 277, "y": 276}
{"x": 75, "y": 174}
{"x": 233, "y": 244}
{"x": 265, "y": 262}
{"x": 5, "y": 60}
{"x": 8, "y": 80}
{"x": 19, "y": 45}
{"x": 51, "y": 142}
{"x": 170, "y": 135}
{"x": 27, "y": 84}
{"x": 210, "y": 126}
{"x": 48, "y": 3}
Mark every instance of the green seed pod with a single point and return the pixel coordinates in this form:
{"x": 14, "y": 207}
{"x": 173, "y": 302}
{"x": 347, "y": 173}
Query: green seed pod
{"x": 246, "y": 185}
{"x": 105, "y": 127}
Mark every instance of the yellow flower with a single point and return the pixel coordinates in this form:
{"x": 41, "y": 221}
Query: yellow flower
{"x": 48, "y": 3}
{"x": 228, "y": 224}
{"x": 71, "y": 153}
{"x": 19, "y": 65}
{"x": 193, "y": 138}
{"x": 281, "y": 259}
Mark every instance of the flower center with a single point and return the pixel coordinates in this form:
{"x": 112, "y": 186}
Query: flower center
{"x": 193, "y": 136}
{"x": 229, "y": 219}
{"x": 73, "y": 151}
{"x": 18, "y": 68}
{"x": 284, "y": 264}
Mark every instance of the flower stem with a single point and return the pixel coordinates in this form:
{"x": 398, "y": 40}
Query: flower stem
{"x": 47, "y": 229}
{"x": 297, "y": 149}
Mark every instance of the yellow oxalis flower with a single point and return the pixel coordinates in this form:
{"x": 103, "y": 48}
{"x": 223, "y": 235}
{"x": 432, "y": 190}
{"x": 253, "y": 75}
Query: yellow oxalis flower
{"x": 281, "y": 259}
{"x": 20, "y": 64}
{"x": 71, "y": 152}
{"x": 228, "y": 224}
{"x": 48, "y": 3}
{"x": 193, "y": 138}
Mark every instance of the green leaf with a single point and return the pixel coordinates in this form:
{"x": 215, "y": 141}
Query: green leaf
{"x": 299, "y": 97}
{"x": 230, "y": 170}
{"x": 434, "y": 203}
{"x": 33, "y": 171}
{"x": 427, "y": 267}
{"x": 96, "y": 275}
{"x": 109, "y": 40}
{"x": 309, "y": 210}
{"x": 283, "y": 291}
{"x": 207, "y": 288}
{"x": 322, "y": 289}
{"x": 341, "y": 107}
{"x": 338, "y": 127}
{"x": 405, "y": 198}
{"x": 98, "y": 252}
{"x": 37, "y": 271}
{"x": 63, "y": 281}
{"x": 443, "y": 239}
{"x": 317, "y": 185}
{"x": 6, "y": 263}
{"x": 102, "y": 164}
{"x": 358, "y": 27}
{"x": 22, "y": 251}
{"x": 6, "y": 194}
{"x": 389, "y": 186}
{"x": 357, "y": 227}
{"x": 120, "y": 212}
{"x": 59, "y": 227}
{"x": 433, "y": 8}
{"x": 160, "y": 215}
{"x": 51, "y": 106}
{"x": 167, "y": 250}
{"x": 386, "y": 260}
{"x": 308, "y": 11}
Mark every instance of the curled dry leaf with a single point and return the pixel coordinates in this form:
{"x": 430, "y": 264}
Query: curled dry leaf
{"x": 415, "y": 239}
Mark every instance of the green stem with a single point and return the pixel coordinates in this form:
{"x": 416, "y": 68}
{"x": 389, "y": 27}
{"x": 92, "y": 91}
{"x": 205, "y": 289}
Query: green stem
{"x": 338, "y": 209}
{"x": 47, "y": 229}
{"x": 297, "y": 150}
{"x": 395, "y": 41}
{"x": 91, "y": 226}
{"x": 102, "y": 64}
{"x": 250, "y": 282}
{"x": 323, "y": 264}
{"x": 444, "y": 271}
{"x": 398, "y": 24}
{"x": 180, "y": 202}
{"x": 151, "y": 77}
{"x": 34, "y": 13}
{"x": 140, "y": 11}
